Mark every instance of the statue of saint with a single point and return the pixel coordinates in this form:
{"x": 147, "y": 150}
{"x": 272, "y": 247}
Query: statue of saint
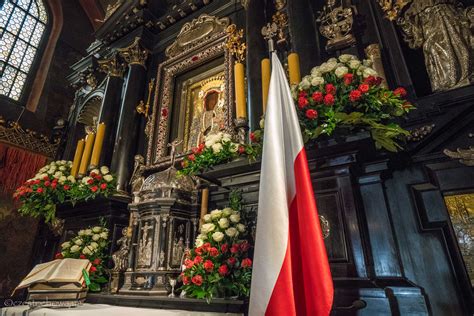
{"x": 120, "y": 257}
{"x": 136, "y": 180}
{"x": 442, "y": 29}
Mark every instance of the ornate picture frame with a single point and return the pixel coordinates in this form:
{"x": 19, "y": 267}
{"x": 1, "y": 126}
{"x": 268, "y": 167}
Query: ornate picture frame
{"x": 199, "y": 42}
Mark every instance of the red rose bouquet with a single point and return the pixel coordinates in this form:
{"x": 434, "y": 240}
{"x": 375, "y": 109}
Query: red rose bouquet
{"x": 347, "y": 93}
{"x": 219, "y": 263}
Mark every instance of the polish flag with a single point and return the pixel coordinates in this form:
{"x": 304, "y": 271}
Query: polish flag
{"x": 291, "y": 274}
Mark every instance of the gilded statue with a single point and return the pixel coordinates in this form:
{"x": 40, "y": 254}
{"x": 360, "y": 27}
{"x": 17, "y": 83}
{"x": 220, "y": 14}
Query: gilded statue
{"x": 442, "y": 28}
{"x": 120, "y": 257}
{"x": 136, "y": 180}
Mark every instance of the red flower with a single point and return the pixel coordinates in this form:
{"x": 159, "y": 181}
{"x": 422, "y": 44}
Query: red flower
{"x": 244, "y": 246}
{"x": 231, "y": 261}
{"x": 185, "y": 280}
{"x": 90, "y": 181}
{"x": 103, "y": 186}
{"x": 208, "y": 265}
{"x": 66, "y": 187}
{"x": 235, "y": 248}
{"x": 54, "y": 184}
{"x": 329, "y": 99}
{"x": 246, "y": 263}
{"x": 93, "y": 269}
{"x": 201, "y": 147}
{"x": 370, "y": 80}
{"x": 188, "y": 263}
{"x": 223, "y": 270}
{"x": 317, "y": 97}
{"x": 192, "y": 157}
{"x": 355, "y": 95}
{"x": 400, "y": 92}
{"x": 330, "y": 89}
{"x": 348, "y": 78}
{"x": 253, "y": 137}
{"x": 213, "y": 252}
{"x": 98, "y": 177}
{"x": 364, "y": 88}
{"x": 198, "y": 260}
{"x": 302, "y": 102}
{"x": 206, "y": 246}
{"x": 198, "y": 250}
{"x": 93, "y": 174}
{"x": 378, "y": 81}
{"x": 58, "y": 256}
{"x": 45, "y": 178}
{"x": 82, "y": 257}
{"x": 224, "y": 248}
{"x": 94, "y": 188}
{"x": 241, "y": 150}
{"x": 39, "y": 190}
{"x": 47, "y": 183}
{"x": 164, "y": 112}
{"x": 96, "y": 261}
{"x": 311, "y": 114}
{"x": 197, "y": 279}
{"x": 302, "y": 94}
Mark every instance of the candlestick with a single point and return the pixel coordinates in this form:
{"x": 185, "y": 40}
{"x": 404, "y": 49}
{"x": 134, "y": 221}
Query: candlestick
{"x": 266, "y": 73}
{"x": 77, "y": 157}
{"x": 86, "y": 155}
{"x": 99, "y": 141}
{"x": 294, "y": 68}
{"x": 204, "y": 203}
{"x": 241, "y": 107}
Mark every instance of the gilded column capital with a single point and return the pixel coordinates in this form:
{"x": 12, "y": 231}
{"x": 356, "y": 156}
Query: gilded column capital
{"x": 113, "y": 66}
{"x": 134, "y": 54}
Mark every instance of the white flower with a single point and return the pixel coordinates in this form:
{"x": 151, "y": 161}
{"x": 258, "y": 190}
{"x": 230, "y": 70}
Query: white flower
{"x": 65, "y": 245}
{"x": 369, "y": 72}
{"x": 104, "y": 170}
{"x": 72, "y": 179}
{"x": 199, "y": 242}
{"x": 227, "y": 212}
{"x": 344, "y": 58}
{"x": 215, "y": 214}
{"x": 108, "y": 177}
{"x": 207, "y": 218}
{"x": 234, "y": 147}
{"x": 367, "y": 62}
{"x": 88, "y": 232}
{"x": 305, "y": 83}
{"x": 226, "y": 137}
{"x": 97, "y": 229}
{"x": 231, "y": 232}
{"x": 241, "y": 227}
{"x": 95, "y": 171}
{"x": 94, "y": 245}
{"x": 341, "y": 71}
{"x": 316, "y": 81}
{"x": 315, "y": 72}
{"x": 81, "y": 233}
{"x": 216, "y": 148}
{"x": 262, "y": 123}
{"x": 58, "y": 174}
{"x": 202, "y": 236}
{"x": 354, "y": 64}
{"x": 95, "y": 237}
{"x": 62, "y": 179}
{"x": 207, "y": 228}
{"x": 87, "y": 251}
{"x": 75, "y": 248}
{"x": 218, "y": 236}
{"x": 85, "y": 179}
{"x": 235, "y": 218}
{"x": 104, "y": 235}
{"x": 78, "y": 241}
{"x": 223, "y": 223}
{"x": 62, "y": 168}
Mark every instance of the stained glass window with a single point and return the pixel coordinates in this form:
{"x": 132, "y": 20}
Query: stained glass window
{"x": 22, "y": 26}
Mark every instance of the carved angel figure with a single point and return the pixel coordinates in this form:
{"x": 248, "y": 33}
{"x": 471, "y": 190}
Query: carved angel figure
{"x": 120, "y": 257}
{"x": 442, "y": 29}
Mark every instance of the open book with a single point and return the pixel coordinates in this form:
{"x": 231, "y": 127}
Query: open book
{"x": 60, "y": 274}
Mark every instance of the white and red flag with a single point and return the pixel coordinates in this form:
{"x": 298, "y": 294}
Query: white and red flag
{"x": 291, "y": 274}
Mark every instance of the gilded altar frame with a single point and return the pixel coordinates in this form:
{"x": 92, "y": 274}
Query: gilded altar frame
{"x": 199, "y": 42}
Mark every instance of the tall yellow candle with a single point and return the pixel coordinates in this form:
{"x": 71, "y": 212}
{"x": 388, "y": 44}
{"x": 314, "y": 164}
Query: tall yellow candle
{"x": 204, "y": 203}
{"x": 239, "y": 77}
{"x": 86, "y": 155}
{"x": 77, "y": 157}
{"x": 266, "y": 73}
{"x": 294, "y": 68}
{"x": 99, "y": 140}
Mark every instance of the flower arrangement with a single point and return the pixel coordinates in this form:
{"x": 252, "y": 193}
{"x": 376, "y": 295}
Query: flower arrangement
{"x": 347, "y": 93}
{"x": 54, "y": 184}
{"x": 90, "y": 243}
{"x": 219, "y": 263}
{"x": 217, "y": 148}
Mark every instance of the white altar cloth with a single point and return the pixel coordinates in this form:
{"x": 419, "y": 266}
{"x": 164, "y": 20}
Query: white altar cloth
{"x": 103, "y": 310}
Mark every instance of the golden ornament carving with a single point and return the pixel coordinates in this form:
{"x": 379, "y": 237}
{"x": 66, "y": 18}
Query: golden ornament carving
{"x": 235, "y": 44}
{"x": 113, "y": 66}
{"x": 336, "y": 25}
{"x": 281, "y": 21}
{"x": 279, "y": 4}
{"x": 195, "y": 32}
{"x": 392, "y": 9}
{"x": 134, "y": 54}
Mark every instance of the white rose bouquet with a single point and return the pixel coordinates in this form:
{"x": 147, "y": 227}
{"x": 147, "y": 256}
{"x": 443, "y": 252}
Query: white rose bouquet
{"x": 90, "y": 243}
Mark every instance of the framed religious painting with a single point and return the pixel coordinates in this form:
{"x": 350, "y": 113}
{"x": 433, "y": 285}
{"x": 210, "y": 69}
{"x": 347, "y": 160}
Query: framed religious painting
{"x": 194, "y": 91}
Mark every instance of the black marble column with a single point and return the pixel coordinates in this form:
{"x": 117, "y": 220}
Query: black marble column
{"x": 127, "y": 133}
{"x": 303, "y": 34}
{"x": 256, "y": 51}
{"x": 109, "y": 111}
